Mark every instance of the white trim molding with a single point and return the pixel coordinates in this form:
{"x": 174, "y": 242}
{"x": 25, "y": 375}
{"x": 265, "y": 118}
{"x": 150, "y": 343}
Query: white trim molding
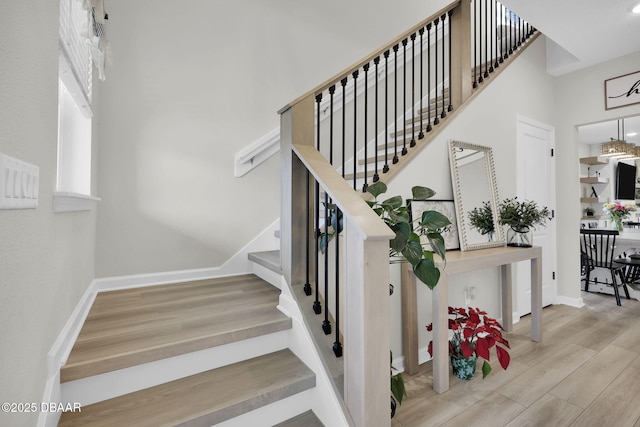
{"x": 72, "y": 202}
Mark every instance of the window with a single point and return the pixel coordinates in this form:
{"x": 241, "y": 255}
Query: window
{"x": 81, "y": 44}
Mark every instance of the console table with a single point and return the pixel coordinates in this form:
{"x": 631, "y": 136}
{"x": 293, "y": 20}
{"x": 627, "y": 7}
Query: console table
{"x": 461, "y": 262}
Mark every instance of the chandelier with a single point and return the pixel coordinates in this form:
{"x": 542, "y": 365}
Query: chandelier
{"x": 619, "y": 148}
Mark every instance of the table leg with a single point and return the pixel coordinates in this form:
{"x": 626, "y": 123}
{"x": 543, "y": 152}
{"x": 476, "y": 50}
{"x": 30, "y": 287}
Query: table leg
{"x": 440, "y": 310}
{"x": 536, "y": 299}
{"x": 507, "y": 297}
{"x": 409, "y": 319}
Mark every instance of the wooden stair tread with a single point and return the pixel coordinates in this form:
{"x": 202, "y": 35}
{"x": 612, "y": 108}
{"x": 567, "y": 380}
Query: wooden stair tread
{"x": 144, "y": 326}
{"x": 203, "y": 399}
{"x": 267, "y": 259}
{"x": 307, "y": 419}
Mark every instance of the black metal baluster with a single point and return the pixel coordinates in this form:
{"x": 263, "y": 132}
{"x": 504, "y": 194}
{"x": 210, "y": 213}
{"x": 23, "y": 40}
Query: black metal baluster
{"x": 307, "y": 284}
{"x": 494, "y": 35}
{"x": 326, "y": 324}
{"x": 337, "y": 346}
{"x": 395, "y": 104}
{"x": 429, "y": 77}
{"x": 404, "y": 96}
{"x": 343, "y": 83}
{"x": 436, "y": 120}
{"x": 511, "y": 32}
{"x": 479, "y": 24}
{"x": 317, "y": 307}
{"x": 421, "y": 135}
{"x": 366, "y": 115}
{"x": 520, "y": 35}
{"x": 413, "y": 90}
{"x": 450, "y": 105}
{"x": 503, "y": 42}
{"x": 376, "y": 177}
{"x": 355, "y": 127}
{"x": 385, "y": 169}
{"x": 444, "y": 113}
{"x": 486, "y": 39}
{"x": 332, "y": 90}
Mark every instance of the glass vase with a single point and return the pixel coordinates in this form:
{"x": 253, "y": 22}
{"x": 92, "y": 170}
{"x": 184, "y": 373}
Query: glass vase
{"x": 520, "y": 238}
{"x": 617, "y": 222}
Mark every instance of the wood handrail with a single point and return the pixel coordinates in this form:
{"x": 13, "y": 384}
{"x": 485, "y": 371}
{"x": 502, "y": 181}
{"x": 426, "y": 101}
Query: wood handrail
{"x": 350, "y": 203}
{"x": 347, "y": 71}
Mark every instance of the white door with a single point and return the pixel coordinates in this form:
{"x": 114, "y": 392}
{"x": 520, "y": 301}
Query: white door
{"x": 535, "y": 180}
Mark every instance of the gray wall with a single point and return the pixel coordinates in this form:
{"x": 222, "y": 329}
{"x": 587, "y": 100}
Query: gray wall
{"x": 46, "y": 259}
{"x": 190, "y": 85}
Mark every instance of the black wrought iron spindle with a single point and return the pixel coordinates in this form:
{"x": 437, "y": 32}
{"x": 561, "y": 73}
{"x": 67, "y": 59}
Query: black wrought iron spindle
{"x": 376, "y": 177}
{"x": 337, "y": 346}
{"x": 503, "y": 41}
{"x": 429, "y": 127}
{"x": 436, "y": 120}
{"x": 486, "y": 39}
{"x": 355, "y": 127}
{"x": 404, "y": 96}
{"x": 450, "y": 103}
{"x": 366, "y": 115}
{"x": 343, "y": 83}
{"x": 479, "y": 24}
{"x": 413, "y": 90}
{"x": 317, "y": 307}
{"x": 494, "y": 40}
{"x": 444, "y": 113}
{"x": 475, "y": 44}
{"x": 511, "y": 32}
{"x": 307, "y": 283}
{"x": 385, "y": 168}
{"x": 421, "y": 135}
{"x": 395, "y": 103}
{"x": 326, "y": 324}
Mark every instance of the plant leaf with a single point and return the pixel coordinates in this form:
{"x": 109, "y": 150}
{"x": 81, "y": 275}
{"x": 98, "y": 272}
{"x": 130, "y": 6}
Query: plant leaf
{"x": 467, "y": 349}
{"x": 486, "y": 369}
{"x": 403, "y": 232}
{"x": 437, "y": 244}
{"x": 397, "y": 387}
{"x": 393, "y": 202}
{"x": 427, "y": 272}
{"x": 377, "y": 188}
{"x": 413, "y": 249}
{"x": 422, "y": 193}
{"x": 503, "y": 357}
{"x": 432, "y": 220}
{"x": 482, "y": 348}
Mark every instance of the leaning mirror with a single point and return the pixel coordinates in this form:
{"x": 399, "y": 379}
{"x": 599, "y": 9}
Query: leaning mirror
{"x": 476, "y": 196}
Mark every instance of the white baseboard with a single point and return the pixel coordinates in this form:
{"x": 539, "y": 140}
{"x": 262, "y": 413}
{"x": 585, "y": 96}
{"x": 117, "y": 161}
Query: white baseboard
{"x": 572, "y": 302}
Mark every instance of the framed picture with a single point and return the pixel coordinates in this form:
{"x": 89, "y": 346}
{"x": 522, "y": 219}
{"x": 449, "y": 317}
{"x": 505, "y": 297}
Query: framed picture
{"x": 622, "y": 91}
{"x": 446, "y": 208}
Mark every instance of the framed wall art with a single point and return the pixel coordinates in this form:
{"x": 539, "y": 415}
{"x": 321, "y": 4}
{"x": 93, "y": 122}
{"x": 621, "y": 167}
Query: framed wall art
{"x": 446, "y": 208}
{"x": 622, "y": 91}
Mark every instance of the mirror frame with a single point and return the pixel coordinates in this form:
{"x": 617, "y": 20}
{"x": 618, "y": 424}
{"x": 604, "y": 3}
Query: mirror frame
{"x": 461, "y": 216}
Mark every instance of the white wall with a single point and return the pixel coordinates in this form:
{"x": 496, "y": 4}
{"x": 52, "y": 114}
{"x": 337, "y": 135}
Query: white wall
{"x": 580, "y": 100}
{"x": 190, "y": 85}
{"x": 46, "y": 259}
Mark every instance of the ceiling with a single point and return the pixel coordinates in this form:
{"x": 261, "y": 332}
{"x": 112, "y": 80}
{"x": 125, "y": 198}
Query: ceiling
{"x": 582, "y": 33}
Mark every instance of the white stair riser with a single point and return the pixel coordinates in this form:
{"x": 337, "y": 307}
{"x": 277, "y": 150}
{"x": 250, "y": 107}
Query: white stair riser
{"x": 112, "y": 384}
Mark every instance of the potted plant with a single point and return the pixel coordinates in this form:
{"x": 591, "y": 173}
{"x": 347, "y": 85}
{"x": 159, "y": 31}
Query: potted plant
{"x": 481, "y": 218}
{"x": 474, "y": 334}
{"x": 521, "y": 217}
{"x": 589, "y": 211}
{"x": 398, "y": 391}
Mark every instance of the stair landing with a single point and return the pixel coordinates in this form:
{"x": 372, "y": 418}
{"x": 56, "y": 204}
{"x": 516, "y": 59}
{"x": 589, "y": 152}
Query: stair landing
{"x": 134, "y": 326}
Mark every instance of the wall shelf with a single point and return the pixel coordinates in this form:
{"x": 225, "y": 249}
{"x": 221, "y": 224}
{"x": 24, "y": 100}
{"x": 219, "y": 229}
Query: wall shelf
{"x": 595, "y": 160}
{"x": 591, "y": 218}
{"x": 591, "y": 200}
{"x": 594, "y": 180}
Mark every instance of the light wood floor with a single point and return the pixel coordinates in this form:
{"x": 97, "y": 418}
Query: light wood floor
{"x": 585, "y": 372}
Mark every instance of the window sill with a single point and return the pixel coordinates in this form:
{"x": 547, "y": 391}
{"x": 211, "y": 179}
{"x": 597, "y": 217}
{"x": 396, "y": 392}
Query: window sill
{"x": 72, "y": 202}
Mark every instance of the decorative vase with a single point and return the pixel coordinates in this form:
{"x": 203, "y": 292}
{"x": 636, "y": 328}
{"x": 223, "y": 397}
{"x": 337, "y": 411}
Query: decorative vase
{"x": 393, "y": 407}
{"x": 464, "y": 368}
{"x": 618, "y": 223}
{"x": 522, "y": 238}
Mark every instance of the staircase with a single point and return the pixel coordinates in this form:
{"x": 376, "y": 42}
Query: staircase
{"x": 208, "y": 352}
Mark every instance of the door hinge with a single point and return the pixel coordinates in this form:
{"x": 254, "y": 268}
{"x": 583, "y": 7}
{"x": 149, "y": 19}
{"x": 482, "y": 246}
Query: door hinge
{"x": 553, "y": 275}
{"x": 552, "y": 153}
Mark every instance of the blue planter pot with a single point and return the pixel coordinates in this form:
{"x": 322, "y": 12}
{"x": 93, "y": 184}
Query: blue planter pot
{"x": 464, "y": 368}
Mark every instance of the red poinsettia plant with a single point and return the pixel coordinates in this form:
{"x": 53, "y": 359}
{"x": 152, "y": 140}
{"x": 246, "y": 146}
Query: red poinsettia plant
{"x": 474, "y": 334}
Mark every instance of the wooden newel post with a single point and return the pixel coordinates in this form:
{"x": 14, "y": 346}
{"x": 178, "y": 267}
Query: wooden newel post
{"x": 367, "y": 342}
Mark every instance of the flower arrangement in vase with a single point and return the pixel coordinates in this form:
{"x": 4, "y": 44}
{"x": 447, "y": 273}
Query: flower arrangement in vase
{"x": 617, "y": 212}
{"x": 474, "y": 334}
